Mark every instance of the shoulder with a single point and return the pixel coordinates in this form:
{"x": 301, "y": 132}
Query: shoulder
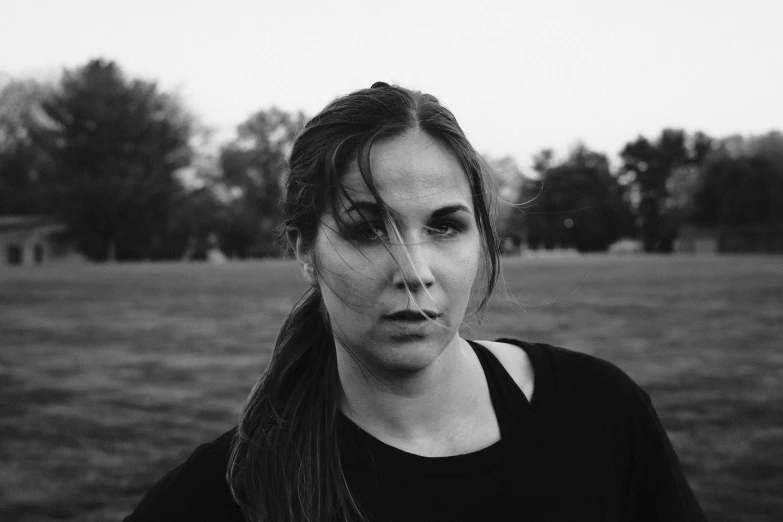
{"x": 589, "y": 410}
{"x": 195, "y": 490}
{"x": 516, "y": 362}
{"x": 561, "y": 374}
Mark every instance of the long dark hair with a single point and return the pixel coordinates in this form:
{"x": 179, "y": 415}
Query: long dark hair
{"x": 285, "y": 461}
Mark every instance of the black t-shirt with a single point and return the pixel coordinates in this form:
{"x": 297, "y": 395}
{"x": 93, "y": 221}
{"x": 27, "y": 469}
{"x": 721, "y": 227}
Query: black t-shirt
{"x": 589, "y": 446}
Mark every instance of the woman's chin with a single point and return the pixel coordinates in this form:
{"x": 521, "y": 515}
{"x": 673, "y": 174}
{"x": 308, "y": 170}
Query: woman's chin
{"x": 410, "y": 354}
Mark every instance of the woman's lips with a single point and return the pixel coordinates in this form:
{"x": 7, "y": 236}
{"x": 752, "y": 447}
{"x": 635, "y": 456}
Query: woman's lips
{"x": 412, "y": 316}
{"x": 411, "y": 325}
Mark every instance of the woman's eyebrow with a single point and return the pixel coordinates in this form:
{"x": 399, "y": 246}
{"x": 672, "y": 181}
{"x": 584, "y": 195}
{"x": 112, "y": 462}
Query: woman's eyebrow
{"x": 451, "y": 209}
{"x": 372, "y": 208}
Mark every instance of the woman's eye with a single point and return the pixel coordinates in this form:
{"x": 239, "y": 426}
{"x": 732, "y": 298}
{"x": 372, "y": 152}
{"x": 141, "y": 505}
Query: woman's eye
{"x": 374, "y": 231}
{"x": 445, "y": 228}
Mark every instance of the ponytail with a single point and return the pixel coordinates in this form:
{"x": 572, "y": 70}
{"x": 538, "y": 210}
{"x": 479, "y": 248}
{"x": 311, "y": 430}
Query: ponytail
{"x": 285, "y": 458}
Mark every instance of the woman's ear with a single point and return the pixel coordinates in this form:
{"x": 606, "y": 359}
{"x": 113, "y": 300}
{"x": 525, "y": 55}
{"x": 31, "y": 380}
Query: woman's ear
{"x": 304, "y": 255}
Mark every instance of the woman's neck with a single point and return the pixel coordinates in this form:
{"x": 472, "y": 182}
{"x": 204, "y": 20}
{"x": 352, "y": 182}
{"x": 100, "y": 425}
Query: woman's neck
{"x": 442, "y": 409}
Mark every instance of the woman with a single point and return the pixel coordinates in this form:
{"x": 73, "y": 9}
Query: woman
{"x": 373, "y": 407}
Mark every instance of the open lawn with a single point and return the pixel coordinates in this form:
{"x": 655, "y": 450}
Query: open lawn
{"x": 111, "y": 375}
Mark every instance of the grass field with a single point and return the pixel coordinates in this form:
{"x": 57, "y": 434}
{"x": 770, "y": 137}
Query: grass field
{"x": 111, "y": 375}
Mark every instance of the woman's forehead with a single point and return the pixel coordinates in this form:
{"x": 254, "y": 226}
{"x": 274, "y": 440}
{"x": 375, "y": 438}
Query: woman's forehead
{"x": 411, "y": 170}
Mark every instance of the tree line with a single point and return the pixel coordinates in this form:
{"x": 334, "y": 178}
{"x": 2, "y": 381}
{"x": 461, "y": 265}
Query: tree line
{"x": 125, "y": 166}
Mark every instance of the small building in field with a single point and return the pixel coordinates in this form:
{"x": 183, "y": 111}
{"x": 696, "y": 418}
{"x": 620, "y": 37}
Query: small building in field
{"x": 34, "y": 240}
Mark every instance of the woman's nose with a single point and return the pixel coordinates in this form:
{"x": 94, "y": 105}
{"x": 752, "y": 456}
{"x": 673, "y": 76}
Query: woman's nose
{"x": 412, "y": 268}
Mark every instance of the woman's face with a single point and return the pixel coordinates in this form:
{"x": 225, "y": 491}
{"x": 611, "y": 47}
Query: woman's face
{"x": 375, "y": 284}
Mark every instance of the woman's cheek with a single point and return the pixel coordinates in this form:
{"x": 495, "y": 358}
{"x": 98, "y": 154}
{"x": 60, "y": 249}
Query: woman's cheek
{"x": 463, "y": 259}
{"x": 355, "y": 275}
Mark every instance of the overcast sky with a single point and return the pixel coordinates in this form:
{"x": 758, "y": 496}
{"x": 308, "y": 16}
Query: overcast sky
{"x": 520, "y": 76}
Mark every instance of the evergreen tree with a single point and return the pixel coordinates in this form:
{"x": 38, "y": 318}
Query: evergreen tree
{"x": 578, "y": 204}
{"x": 649, "y": 165}
{"x": 116, "y": 144}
